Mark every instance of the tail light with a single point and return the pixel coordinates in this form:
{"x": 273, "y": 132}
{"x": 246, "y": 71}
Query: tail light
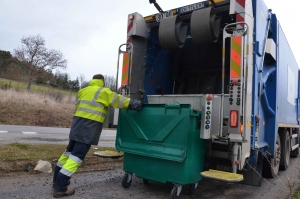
{"x": 131, "y": 17}
{"x": 234, "y": 119}
{"x": 241, "y": 128}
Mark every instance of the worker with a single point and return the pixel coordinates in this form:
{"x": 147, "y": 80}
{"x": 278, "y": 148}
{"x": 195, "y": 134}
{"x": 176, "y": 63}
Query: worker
{"x": 91, "y": 108}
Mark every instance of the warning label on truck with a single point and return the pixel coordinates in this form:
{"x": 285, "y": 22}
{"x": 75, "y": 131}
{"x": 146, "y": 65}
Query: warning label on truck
{"x": 192, "y": 7}
{"x": 291, "y": 86}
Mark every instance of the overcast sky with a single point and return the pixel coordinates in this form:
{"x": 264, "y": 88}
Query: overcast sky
{"x": 89, "y": 32}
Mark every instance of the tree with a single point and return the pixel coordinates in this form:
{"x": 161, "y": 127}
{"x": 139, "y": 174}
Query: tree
{"x": 110, "y": 82}
{"x": 81, "y": 79}
{"x": 37, "y": 58}
{"x": 5, "y": 56}
{"x": 45, "y": 77}
{"x": 65, "y": 82}
{"x": 84, "y": 84}
{"x": 11, "y": 67}
{"x": 62, "y": 80}
{"x": 74, "y": 85}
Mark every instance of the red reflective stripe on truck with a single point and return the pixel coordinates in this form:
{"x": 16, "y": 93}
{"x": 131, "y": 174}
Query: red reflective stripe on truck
{"x": 238, "y": 40}
{"x": 235, "y": 57}
{"x": 129, "y": 39}
{"x": 239, "y": 10}
{"x": 240, "y": 18}
{"x": 241, "y": 3}
{"x": 125, "y": 69}
{"x": 129, "y": 26}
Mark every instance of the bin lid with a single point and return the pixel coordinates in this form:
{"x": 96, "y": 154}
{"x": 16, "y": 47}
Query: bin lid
{"x": 158, "y": 131}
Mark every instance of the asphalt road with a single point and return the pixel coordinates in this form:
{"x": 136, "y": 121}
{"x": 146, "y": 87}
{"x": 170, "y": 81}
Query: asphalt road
{"x": 49, "y": 135}
{"x": 107, "y": 184}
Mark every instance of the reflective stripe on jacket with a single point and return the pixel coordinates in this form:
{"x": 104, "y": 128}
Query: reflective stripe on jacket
{"x": 93, "y": 101}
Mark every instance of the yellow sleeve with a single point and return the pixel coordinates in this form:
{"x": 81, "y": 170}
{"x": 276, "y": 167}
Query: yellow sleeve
{"x": 111, "y": 99}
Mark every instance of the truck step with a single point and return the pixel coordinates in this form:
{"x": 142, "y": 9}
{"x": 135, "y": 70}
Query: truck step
{"x": 222, "y": 175}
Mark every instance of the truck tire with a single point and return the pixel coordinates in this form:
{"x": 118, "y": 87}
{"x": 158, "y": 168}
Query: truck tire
{"x": 271, "y": 165}
{"x": 285, "y": 149}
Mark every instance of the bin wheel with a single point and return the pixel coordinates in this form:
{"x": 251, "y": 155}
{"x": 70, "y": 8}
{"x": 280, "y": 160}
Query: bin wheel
{"x": 174, "y": 193}
{"x": 193, "y": 188}
{"x": 125, "y": 182}
{"x": 145, "y": 181}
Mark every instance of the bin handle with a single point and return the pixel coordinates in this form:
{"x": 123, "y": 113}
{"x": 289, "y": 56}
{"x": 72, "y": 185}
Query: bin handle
{"x": 172, "y": 106}
{"x": 195, "y": 113}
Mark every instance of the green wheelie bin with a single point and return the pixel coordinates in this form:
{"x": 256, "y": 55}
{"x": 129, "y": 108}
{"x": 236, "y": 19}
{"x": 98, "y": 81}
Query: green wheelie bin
{"x": 161, "y": 143}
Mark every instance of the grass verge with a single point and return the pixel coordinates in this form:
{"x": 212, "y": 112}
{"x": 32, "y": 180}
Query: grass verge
{"x": 32, "y": 109}
{"x": 22, "y": 86}
{"x": 15, "y": 157}
{"x": 297, "y": 194}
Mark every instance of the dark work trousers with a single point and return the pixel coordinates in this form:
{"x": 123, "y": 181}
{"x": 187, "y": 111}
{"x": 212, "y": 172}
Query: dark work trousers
{"x": 68, "y": 164}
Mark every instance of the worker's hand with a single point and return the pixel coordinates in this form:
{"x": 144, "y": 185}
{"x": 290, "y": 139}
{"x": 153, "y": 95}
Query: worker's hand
{"x": 134, "y": 104}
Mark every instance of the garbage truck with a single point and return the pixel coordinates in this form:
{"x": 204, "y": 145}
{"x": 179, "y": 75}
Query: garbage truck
{"x": 220, "y": 90}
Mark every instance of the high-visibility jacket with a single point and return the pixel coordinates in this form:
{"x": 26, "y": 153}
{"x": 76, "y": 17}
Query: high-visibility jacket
{"x": 91, "y": 108}
{"x": 93, "y": 101}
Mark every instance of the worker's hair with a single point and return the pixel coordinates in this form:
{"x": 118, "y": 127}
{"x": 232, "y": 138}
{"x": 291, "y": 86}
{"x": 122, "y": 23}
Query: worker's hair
{"x": 98, "y": 76}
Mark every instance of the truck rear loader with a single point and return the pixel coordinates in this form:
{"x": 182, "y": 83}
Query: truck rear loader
{"x": 220, "y": 88}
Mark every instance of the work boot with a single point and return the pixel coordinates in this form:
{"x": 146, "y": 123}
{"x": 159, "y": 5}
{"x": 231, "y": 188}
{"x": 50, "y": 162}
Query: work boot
{"x": 53, "y": 184}
{"x": 69, "y": 192}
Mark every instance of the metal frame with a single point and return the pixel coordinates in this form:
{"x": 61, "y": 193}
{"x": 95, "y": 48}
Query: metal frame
{"x": 243, "y": 32}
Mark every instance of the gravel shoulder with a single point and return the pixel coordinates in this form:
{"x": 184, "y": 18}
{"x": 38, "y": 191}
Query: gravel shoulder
{"x": 101, "y": 178}
{"x": 107, "y": 184}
